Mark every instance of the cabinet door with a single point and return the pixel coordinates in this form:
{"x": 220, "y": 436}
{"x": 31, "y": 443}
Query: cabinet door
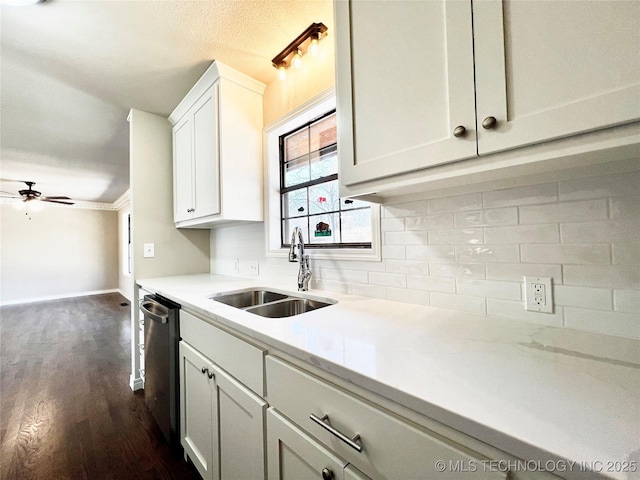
{"x": 206, "y": 175}
{"x": 352, "y": 473}
{"x": 241, "y": 421}
{"x": 182, "y": 169}
{"x": 293, "y": 455}
{"x": 404, "y": 82}
{"x": 198, "y": 412}
{"x": 551, "y": 69}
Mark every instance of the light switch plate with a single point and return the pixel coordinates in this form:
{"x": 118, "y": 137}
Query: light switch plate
{"x": 538, "y": 295}
{"x": 149, "y": 250}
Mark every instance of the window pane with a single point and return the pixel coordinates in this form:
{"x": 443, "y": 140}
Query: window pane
{"x": 294, "y": 203}
{"x": 297, "y": 144}
{"x": 323, "y": 133}
{"x": 288, "y": 226}
{"x": 325, "y": 228}
{"x": 348, "y": 204}
{"x": 356, "y": 226}
{"x": 296, "y": 171}
{"x": 324, "y": 165}
{"x": 323, "y": 197}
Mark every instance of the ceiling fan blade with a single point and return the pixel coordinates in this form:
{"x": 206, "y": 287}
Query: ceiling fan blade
{"x": 9, "y": 195}
{"x": 55, "y": 201}
{"x": 56, "y": 198}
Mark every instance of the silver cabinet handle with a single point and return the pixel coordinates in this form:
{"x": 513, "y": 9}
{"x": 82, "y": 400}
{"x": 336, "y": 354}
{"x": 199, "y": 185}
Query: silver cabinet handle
{"x": 489, "y": 122}
{"x": 327, "y": 474}
{"x": 322, "y": 421}
{"x": 162, "y": 317}
{"x": 191, "y": 210}
{"x": 459, "y": 131}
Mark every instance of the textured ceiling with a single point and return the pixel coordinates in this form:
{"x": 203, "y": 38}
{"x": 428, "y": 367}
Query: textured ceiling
{"x": 71, "y": 70}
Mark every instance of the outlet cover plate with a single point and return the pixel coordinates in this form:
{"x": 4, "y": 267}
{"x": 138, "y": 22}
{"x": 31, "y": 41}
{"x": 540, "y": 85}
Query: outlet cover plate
{"x": 538, "y": 294}
{"x": 149, "y": 250}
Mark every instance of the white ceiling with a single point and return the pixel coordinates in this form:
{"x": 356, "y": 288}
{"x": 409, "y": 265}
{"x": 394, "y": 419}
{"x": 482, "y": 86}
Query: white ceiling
{"x": 71, "y": 70}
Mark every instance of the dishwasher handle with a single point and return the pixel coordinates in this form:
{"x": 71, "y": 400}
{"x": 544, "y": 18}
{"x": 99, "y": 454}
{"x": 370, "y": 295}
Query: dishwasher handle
{"x": 155, "y": 311}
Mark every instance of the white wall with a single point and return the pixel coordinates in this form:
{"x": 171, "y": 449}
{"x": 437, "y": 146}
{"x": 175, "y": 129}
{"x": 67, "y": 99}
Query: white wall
{"x": 470, "y": 252}
{"x": 57, "y": 252}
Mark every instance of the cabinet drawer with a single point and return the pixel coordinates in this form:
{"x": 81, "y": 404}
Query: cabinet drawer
{"x": 242, "y": 360}
{"x": 391, "y": 448}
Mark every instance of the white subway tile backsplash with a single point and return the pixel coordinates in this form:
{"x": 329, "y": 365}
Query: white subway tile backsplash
{"x": 461, "y": 270}
{"x": 528, "y": 195}
{"x": 409, "y": 209}
{"x": 517, "y": 271}
{"x": 615, "y": 276}
{"x": 611, "y": 323}
{"x": 594, "y": 254}
{"x": 443, "y": 220}
{"x": 458, "y": 302}
{"x": 434, "y": 284}
{"x": 488, "y": 253}
{"x": 430, "y": 252}
{"x": 406, "y": 238}
{"x": 627, "y": 301}
{"x": 471, "y": 252}
{"x": 471, "y": 201}
{"x": 515, "y": 310}
{"x": 615, "y": 185}
{"x": 472, "y": 236}
{"x": 394, "y": 252}
{"x": 587, "y": 210}
{"x": 408, "y": 266}
{"x": 406, "y": 295}
{"x": 388, "y": 279}
{"x": 626, "y": 208}
{"x": 522, "y": 234}
{"x": 486, "y": 218}
{"x": 585, "y": 297}
{"x": 599, "y": 232}
{"x": 392, "y": 224}
{"x": 489, "y": 288}
{"x": 374, "y": 291}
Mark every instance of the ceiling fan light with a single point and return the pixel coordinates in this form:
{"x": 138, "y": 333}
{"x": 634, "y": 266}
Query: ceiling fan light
{"x": 34, "y": 205}
{"x": 19, "y": 205}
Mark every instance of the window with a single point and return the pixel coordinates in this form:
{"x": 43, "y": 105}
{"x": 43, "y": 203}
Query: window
{"x": 309, "y": 190}
{"x": 305, "y": 175}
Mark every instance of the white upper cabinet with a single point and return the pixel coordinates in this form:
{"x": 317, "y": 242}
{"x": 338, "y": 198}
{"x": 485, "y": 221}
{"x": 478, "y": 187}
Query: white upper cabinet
{"x": 217, "y": 150}
{"x": 404, "y": 84}
{"x": 422, "y": 85}
{"x": 551, "y": 69}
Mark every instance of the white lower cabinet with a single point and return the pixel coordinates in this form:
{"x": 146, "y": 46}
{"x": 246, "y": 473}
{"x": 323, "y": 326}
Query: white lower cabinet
{"x": 379, "y": 444}
{"x": 222, "y": 421}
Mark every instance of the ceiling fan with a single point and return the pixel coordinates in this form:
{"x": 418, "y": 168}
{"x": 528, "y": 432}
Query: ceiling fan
{"x": 29, "y": 194}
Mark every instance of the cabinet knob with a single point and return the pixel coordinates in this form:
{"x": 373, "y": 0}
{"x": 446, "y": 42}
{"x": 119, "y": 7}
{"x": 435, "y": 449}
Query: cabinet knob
{"x": 210, "y": 374}
{"x": 204, "y": 370}
{"x": 327, "y": 474}
{"x": 489, "y": 122}
{"x": 459, "y": 131}
{"x": 190, "y": 210}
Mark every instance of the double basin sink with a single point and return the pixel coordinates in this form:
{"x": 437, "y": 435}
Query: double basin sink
{"x": 270, "y": 304}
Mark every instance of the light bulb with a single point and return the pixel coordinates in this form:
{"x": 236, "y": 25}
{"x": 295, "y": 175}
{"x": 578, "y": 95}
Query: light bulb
{"x": 19, "y": 205}
{"x": 296, "y": 62}
{"x": 313, "y": 47}
{"x": 35, "y": 205}
{"x": 282, "y": 71}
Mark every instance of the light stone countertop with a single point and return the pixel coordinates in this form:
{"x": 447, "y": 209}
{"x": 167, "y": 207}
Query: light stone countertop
{"x": 539, "y": 393}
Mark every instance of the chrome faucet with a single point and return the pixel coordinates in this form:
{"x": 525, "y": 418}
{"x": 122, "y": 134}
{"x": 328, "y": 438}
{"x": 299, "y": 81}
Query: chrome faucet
{"x": 304, "y": 273}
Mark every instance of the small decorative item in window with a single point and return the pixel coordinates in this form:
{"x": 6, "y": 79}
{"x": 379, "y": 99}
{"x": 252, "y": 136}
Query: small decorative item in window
{"x": 322, "y": 230}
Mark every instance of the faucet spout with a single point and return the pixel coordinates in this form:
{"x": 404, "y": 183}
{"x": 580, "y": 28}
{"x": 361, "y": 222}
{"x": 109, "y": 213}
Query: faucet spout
{"x": 304, "y": 272}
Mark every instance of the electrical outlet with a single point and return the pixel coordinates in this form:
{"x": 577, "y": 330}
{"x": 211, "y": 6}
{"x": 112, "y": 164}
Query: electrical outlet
{"x": 148, "y": 250}
{"x": 254, "y": 267}
{"x": 538, "y": 294}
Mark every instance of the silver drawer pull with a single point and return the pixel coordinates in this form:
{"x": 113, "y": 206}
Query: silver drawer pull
{"x": 322, "y": 421}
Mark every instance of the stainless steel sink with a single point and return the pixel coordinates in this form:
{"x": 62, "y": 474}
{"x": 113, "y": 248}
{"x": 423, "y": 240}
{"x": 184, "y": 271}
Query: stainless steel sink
{"x": 249, "y": 298}
{"x": 287, "y": 308}
{"x": 270, "y": 304}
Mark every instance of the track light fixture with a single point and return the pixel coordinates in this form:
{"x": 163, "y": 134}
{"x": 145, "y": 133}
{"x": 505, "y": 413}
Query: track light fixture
{"x": 306, "y": 42}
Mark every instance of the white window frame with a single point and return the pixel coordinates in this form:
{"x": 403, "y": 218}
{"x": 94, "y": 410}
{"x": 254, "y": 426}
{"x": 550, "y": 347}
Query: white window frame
{"x": 302, "y": 115}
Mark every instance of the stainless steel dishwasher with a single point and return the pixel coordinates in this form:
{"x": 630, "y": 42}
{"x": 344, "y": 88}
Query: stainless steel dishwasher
{"x": 161, "y": 390}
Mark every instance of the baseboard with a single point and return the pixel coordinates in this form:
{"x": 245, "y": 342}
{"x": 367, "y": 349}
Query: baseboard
{"x": 136, "y": 383}
{"x": 58, "y": 297}
{"x": 122, "y": 292}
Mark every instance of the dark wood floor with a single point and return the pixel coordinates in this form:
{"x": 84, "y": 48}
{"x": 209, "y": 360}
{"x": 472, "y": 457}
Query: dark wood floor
{"x": 66, "y": 409}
